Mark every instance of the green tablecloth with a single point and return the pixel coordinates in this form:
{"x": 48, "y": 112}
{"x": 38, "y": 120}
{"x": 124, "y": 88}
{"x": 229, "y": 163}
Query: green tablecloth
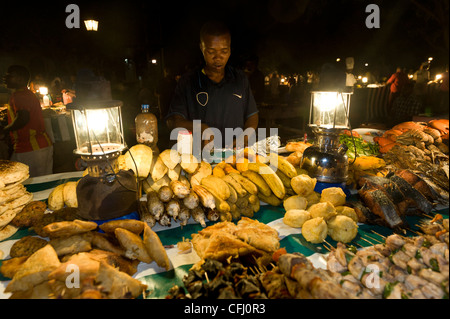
{"x": 160, "y": 281}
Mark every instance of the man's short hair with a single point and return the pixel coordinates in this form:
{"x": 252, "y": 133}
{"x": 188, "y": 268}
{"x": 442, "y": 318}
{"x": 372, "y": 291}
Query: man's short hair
{"x": 214, "y": 28}
{"x": 21, "y": 72}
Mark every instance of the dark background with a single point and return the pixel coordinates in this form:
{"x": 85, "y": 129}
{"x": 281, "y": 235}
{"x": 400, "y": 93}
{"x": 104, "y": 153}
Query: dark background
{"x": 287, "y": 35}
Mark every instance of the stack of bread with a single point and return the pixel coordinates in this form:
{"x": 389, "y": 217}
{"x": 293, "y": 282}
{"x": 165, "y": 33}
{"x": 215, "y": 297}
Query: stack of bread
{"x": 13, "y": 194}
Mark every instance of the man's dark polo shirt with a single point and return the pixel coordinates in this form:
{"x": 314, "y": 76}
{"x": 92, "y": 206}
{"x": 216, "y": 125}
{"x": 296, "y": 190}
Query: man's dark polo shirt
{"x": 227, "y": 104}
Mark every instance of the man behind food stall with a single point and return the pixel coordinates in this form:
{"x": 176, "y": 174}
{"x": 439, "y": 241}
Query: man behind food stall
{"x": 31, "y": 144}
{"x": 217, "y": 94}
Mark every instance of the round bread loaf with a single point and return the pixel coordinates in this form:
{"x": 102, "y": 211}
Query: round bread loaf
{"x": 56, "y": 198}
{"x": 70, "y": 194}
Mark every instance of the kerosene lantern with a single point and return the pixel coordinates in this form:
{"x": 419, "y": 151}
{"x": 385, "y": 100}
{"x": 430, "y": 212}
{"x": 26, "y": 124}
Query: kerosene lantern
{"x": 105, "y": 192}
{"x": 326, "y": 159}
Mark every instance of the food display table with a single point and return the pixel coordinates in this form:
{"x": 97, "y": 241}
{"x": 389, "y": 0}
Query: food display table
{"x": 159, "y": 281}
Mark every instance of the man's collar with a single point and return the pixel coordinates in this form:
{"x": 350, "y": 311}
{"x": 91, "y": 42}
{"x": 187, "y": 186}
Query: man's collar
{"x": 228, "y": 74}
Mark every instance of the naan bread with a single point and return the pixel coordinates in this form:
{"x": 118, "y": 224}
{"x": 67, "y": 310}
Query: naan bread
{"x": 7, "y": 195}
{"x": 8, "y": 231}
{"x": 12, "y": 172}
{"x": 18, "y": 202}
{"x": 9, "y": 215}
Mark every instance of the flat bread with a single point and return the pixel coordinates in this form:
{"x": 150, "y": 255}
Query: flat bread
{"x": 12, "y": 172}
{"x": 9, "y": 215}
{"x": 8, "y": 231}
{"x": 7, "y": 195}
{"x": 11, "y": 185}
{"x": 18, "y": 202}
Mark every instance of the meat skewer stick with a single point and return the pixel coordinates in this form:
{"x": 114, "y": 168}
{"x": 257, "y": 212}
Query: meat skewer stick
{"x": 374, "y": 239}
{"x": 378, "y": 234}
{"x": 367, "y": 241}
{"x": 329, "y": 249}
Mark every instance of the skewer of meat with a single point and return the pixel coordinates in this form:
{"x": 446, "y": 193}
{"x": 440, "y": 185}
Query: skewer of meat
{"x": 412, "y": 267}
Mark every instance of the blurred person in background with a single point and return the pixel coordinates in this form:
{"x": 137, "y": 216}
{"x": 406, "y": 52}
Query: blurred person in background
{"x": 397, "y": 81}
{"x": 405, "y": 106}
{"x": 31, "y": 143}
{"x": 421, "y": 78}
{"x": 255, "y": 77}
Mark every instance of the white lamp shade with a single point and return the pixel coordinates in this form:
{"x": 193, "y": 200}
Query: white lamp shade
{"x": 329, "y": 109}
{"x": 98, "y": 131}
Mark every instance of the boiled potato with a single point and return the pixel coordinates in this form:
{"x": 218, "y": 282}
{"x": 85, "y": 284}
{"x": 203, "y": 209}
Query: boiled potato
{"x": 342, "y": 228}
{"x": 295, "y": 202}
{"x": 315, "y": 230}
{"x": 312, "y": 199}
{"x": 334, "y": 195}
{"x": 296, "y": 217}
{"x": 325, "y": 210}
{"x": 347, "y": 211}
{"x": 303, "y": 184}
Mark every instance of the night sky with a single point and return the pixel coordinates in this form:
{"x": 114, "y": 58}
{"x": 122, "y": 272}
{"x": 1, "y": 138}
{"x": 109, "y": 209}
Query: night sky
{"x": 287, "y": 35}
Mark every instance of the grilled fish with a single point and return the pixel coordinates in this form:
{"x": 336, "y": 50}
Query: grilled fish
{"x": 421, "y": 202}
{"x": 381, "y": 205}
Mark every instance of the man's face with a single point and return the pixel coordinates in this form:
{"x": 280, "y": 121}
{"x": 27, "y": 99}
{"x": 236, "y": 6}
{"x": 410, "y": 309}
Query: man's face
{"x": 216, "y": 51}
{"x": 11, "y": 80}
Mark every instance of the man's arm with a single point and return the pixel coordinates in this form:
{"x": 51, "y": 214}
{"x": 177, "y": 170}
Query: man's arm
{"x": 252, "y": 122}
{"x": 22, "y": 119}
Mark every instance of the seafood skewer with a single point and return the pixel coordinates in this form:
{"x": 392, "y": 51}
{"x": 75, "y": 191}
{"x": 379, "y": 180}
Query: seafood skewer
{"x": 412, "y": 267}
